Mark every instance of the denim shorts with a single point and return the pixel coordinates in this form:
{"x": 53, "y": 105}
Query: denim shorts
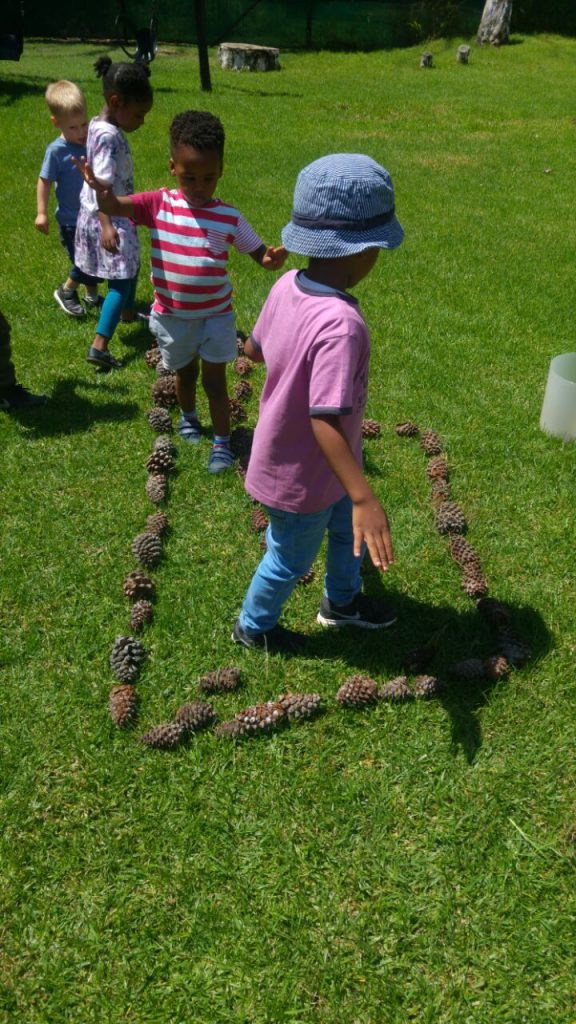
{"x": 182, "y": 339}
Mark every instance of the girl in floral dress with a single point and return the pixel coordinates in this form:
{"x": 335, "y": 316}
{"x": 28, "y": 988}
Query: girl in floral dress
{"x": 108, "y": 247}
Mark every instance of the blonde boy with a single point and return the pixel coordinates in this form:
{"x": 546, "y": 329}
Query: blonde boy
{"x": 68, "y": 114}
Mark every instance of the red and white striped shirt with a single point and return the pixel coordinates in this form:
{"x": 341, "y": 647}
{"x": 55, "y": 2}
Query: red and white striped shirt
{"x": 189, "y": 251}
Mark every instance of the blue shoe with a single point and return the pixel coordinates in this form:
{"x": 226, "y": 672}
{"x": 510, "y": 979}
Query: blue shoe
{"x": 189, "y": 430}
{"x": 221, "y": 458}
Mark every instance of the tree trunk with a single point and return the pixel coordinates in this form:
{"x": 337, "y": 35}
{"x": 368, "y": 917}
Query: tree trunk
{"x": 495, "y": 23}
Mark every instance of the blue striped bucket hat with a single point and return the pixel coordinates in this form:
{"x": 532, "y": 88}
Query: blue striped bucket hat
{"x": 343, "y": 203}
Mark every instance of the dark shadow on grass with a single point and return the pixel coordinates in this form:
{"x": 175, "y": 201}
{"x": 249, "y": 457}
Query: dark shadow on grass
{"x": 68, "y": 411}
{"x": 13, "y": 89}
{"x": 137, "y": 338}
{"x": 262, "y": 92}
{"x": 454, "y": 636}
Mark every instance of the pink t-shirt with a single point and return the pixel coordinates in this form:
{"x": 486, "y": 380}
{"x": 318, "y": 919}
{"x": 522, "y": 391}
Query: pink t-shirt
{"x": 189, "y": 251}
{"x": 316, "y": 348}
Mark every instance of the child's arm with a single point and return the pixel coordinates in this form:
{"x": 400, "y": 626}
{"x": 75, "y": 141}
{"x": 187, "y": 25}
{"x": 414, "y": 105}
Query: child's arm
{"x": 42, "y": 196}
{"x": 369, "y": 520}
{"x": 109, "y": 237}
{"x": 252, "y": 351}
{"x": 108, "y": 203}
{"x": 270, "y": 257}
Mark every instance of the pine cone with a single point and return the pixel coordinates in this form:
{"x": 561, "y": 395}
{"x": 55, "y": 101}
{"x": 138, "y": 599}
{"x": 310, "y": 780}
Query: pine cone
{"x": 156, "y": 487}
{"x": 406, "y": 429}
{"x": 437, "y": 468}
{"x": 440, "y": 491}
{"x": 430, "y": 442}
{"x": 243, "y": 366}
{"x": 240, "y": 339}
{"x": 358, "y": 692}
{"x": 494, "y": 612}
{"x": 242, "y": 468}
{"x": 307, "y": 578}
{"x": 152, "y": 357}
{"x": 165, "y": 736}
{"x": 463, "y": 553}
{"x": 157, "y": 523}
{"x": 123, "y": 704}
{"x": 163, "y": 371}
{"x": 450, "y": 518}
{"x": 126, "y": 657}
{"x": 428, "y": 686}
{"x": 396, "y": 690}
{"x": 142, "y": 613}
{"x": 195, "y": 716}
{"x": 237, "y": 411}
{"x": 221, "y": 680}
{"x": 258, "y": 720}
{"x": 513, "y": 647}
{"x": 474, "y": 583}
{"x": 138, "y": 586}
{"x": 300, "y": 705}
{"x": 164, "y": 392}
{"x": 147, "y": 547}
{"x": 163, "y": 443}
{"x": 159, "y": 420}
{"x": 371, "y": 428}
{"x": 161, "y": 461}
{"x": 494, "y": 667}
{"x": 417, "y": 659}
{"x": 243, "y": 389}
{"x": 258, "y": 520}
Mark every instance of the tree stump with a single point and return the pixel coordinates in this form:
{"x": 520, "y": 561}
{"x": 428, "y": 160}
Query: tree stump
{"x": 248, "y": 57}
{"x": 426, "y": 59}
{"x": 495, "y": 22}
{"x": 463, "y": 54}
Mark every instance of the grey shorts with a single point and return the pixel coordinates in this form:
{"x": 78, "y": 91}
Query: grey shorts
{"x": 181, "y": 339}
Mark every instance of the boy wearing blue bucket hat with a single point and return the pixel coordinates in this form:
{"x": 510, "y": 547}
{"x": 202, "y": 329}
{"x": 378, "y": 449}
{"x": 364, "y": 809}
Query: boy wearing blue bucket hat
{"x": 306, "y": 460}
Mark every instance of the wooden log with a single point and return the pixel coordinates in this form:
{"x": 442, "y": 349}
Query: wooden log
{"x": 248, "y": 57}
{"x": 463, "y": 54}
{"x": 426, "y": 59}
{"x": 494, "y": 26}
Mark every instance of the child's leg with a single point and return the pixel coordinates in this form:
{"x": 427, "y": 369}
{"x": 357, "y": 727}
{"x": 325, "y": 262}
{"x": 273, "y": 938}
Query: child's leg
{"x": 66, "y": 295}
{"x": 293, "y": 542}
{"x": 342, "y": 580}
{"x": 343, "y": 603}
{"x": 128, "y": 314}
{"x": 214, "y": 384}
{"x": 186, "y": 380}
{"x": 107, "y": 323}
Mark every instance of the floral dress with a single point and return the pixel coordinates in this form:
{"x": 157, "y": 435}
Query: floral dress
{"x": 109, "y": 155}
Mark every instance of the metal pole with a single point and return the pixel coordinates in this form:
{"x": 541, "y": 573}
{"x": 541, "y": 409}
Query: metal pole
{"x": 202, "y": 41}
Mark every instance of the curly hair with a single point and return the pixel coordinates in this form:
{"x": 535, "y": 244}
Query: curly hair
{"x": 199, "y": 129}
{"x": 128, "y": 81}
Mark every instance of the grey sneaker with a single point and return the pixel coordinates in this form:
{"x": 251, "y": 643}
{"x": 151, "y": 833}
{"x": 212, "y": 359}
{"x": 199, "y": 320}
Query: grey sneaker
{"x": 95, "y": 303}
{"x": 365, "y": 612}
{"x": 69, "y": 302}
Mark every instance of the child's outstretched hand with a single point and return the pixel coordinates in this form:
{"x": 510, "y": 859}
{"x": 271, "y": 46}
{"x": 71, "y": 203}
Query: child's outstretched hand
{"x": 101, "y": 188}
{"x": 370, "y": 525}
{"x": 274, "y": 257}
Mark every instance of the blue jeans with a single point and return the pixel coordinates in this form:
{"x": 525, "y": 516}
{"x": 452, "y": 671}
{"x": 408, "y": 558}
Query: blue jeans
{"x": 120, "y": 296}
{"x": 67, "y": 233}
{"x": 293, "y": 541}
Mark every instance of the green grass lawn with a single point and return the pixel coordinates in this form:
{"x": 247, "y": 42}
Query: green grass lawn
{"x": 410, "y": 863}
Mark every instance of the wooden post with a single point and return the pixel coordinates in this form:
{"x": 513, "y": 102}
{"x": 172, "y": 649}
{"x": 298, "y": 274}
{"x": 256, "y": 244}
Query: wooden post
{"x": 202, "y": 40}
{"x": 463, "y": 54}
{"x": 426, "y": 59}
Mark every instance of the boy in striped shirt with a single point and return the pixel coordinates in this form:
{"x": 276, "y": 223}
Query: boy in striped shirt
{"x": 191, "y": 233}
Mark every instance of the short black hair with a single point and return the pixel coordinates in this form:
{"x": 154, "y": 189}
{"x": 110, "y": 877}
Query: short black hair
{"x": 128, "y": 81}
{"x": 199, "y": 129}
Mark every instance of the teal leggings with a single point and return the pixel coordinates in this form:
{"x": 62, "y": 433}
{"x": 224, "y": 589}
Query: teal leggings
{"x": 120, "y": 296}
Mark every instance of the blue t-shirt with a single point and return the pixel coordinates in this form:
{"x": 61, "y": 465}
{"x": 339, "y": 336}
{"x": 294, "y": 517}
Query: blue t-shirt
{"x": 58, "y": 167}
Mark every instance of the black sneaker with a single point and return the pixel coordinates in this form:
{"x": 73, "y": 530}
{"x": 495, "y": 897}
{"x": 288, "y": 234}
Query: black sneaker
{"x": 276, "y": 640}
{"x": 69, "y": 302}
{"x": 365, "y": 612}
{"x": 18, "y": 397}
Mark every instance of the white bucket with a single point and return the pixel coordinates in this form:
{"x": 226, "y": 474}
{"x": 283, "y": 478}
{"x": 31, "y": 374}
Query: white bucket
{"x": 558, "y": 416}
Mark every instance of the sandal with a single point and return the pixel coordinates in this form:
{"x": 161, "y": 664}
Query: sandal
{"x": 221, "y": 458}
{"x": 189, "y": 429}
{"x": 103, "y": 358}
